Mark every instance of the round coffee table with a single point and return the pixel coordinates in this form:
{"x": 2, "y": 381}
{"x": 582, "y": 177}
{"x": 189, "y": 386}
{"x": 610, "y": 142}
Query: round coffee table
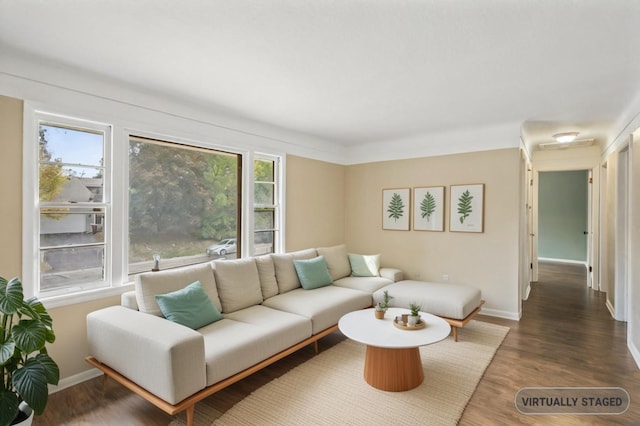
{"x": 392, "y": 361}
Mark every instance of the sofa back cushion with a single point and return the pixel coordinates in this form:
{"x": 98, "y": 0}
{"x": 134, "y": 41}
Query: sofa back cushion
{"x": 337, "y": 260}
{"x": 149, "y": 284}
{"x": 286, "y": 272}
{"x": 267, "y": 273}
{"x": 238, "y": 284}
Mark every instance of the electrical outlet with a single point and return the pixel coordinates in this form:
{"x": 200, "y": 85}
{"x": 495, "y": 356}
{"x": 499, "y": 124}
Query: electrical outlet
{"x": 445, "y": 277}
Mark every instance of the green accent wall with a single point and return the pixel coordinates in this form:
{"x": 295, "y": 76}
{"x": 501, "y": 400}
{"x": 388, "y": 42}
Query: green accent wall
{"x": 562, "y": 215}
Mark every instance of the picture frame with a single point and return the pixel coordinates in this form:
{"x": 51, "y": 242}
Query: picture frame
{"x": 428, "y": 208}
{"x": 396, "y": 209}
{"x": 466, "y": 208}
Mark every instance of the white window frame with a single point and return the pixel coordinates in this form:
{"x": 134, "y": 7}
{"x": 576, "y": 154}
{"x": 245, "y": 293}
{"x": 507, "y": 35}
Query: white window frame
{"x": 278, "y": 199}
{"x": 31, "y": 205}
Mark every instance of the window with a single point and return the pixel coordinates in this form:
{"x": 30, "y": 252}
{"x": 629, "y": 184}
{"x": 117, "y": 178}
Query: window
{"x": 72, "y": 205}
{"x": 265, "y": 212}
{"x": 183, "y": 204}
{"x": 102, "y": 204}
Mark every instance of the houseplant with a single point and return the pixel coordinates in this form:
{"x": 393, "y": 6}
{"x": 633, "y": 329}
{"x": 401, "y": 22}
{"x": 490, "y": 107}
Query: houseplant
{"x": 382, "y": 307}
{"x": 27, "y": 369}
{"x": 414, "y": 316}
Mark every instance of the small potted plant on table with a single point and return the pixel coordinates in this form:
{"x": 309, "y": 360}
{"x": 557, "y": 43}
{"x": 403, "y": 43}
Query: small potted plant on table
{"x": 414, "y": 316}
{"x": 381, "y": 307}
{"x": 25, "y": 329}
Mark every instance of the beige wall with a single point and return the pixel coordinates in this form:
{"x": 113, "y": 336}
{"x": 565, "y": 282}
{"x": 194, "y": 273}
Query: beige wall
{"x": 488, "y": 260}
{"x": 10, "y": 187}
{"x": 315, "y": 209}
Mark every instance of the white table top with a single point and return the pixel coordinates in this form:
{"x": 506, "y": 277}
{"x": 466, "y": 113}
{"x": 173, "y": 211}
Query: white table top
{"x": 362, "y": 326}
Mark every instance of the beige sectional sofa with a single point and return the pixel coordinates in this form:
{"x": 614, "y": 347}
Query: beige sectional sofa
{"x": 266, "y": 315}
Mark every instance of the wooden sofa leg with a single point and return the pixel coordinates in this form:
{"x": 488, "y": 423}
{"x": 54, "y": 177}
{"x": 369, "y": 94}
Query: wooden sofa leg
{"x": 455, "y": 333}
{"x": 315, "y": 346}
{"x": 190, "y": 412}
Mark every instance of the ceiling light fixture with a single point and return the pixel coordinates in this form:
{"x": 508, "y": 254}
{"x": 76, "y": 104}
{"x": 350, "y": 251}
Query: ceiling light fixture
{"x": 565, "y": 137}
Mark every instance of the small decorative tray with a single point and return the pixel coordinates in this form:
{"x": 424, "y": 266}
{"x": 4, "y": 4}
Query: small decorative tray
{"x": 420, "y": 325}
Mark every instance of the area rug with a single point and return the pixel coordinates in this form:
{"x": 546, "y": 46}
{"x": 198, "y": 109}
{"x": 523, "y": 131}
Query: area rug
{"x": 329, "y": 389}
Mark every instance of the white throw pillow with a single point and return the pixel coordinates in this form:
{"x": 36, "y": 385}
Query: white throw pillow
{"x": 364, "y": 265}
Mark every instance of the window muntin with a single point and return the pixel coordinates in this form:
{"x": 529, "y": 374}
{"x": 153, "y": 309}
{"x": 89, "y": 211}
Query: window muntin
{"x": 71, "y": 208}
{"x": 182, "y": 200}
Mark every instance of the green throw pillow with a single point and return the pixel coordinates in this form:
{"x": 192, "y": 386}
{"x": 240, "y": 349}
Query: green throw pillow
{"x": 364, "y": 266}
{"x": 189, "y": 306}
{"x": 312, "y": 273}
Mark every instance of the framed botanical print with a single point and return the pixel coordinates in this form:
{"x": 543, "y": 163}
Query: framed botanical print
{"x": 428, "y": 208}
{"x": 396, "y": 209}
{"x": 466, "y": 210}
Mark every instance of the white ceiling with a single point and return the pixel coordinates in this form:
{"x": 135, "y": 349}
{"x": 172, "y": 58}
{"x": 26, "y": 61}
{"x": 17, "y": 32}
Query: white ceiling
{"x": 357, "y": 72}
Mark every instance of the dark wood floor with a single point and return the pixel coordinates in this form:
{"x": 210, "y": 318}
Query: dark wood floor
{"x": 566, "y": 337}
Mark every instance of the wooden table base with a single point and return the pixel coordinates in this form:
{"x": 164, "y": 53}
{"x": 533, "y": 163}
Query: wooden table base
{"x": 392, "y": 369}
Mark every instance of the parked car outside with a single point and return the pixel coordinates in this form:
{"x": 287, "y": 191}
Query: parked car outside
{"x": 223, "y": 247}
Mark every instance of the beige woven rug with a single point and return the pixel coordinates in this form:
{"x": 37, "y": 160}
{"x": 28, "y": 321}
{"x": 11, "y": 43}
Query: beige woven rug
{"x": 329, "y": 389}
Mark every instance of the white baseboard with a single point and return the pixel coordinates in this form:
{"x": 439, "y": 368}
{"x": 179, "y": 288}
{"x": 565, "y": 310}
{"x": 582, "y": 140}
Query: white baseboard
{"x": 635, "y": 353}
{"x": 515, "y": 316}
{"x": 527, "y": 292}
{"x": 610, "y": 308}
{"x": 577, "y": 262}
{"x": 75, "y": 380}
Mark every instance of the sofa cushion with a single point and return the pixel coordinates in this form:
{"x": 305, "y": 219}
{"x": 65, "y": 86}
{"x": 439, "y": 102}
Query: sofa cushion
{"x": 312, "y": 273}
{"x": 238, "y": 284}
{"x": 366, "y": 284}
{"x": 267, "y": 273}
{"x": 189, "y": 306}
{"x": 149, "y": 284}
{"x": 246, "y": 337}
{"x": 364, "y": 265}
{"x": 286, "y": 272}
{"x": 337, "y": 260}
{"x": 323, "y": 306}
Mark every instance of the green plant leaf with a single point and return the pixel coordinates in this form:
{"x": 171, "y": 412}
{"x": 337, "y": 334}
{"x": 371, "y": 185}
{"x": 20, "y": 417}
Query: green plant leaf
{"x": 37, "y": 310}
{"x": 9, "y": 407}
{"x": 31, "y": 383}
{"x": 52, "y": 372}
{"x": 464, "y": 205}
{"x": 6, "y": 351}
{"x": 29, "y": 335}
{"x": 396, "y": 207}
{"x": 428, "y": 206}
{"x": 10, "y": 295}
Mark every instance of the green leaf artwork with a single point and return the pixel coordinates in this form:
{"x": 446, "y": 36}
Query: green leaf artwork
{"x": 428, "y": 206}
{"x": 464, "y": 205}
{"x": 396, "y": 207}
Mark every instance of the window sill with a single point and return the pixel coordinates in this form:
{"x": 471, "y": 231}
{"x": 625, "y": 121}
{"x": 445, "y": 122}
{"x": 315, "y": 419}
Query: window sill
{"x": 73, "y": 299}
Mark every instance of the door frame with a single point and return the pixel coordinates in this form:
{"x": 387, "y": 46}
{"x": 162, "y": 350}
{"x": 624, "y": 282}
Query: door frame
{"x": 593, "y": 249}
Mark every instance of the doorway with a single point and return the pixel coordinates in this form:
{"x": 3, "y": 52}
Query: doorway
{"x": 563, "y": 216}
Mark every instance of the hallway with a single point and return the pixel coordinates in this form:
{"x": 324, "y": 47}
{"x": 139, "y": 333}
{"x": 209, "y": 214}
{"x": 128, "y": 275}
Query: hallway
{"x": 566, "y": 337}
